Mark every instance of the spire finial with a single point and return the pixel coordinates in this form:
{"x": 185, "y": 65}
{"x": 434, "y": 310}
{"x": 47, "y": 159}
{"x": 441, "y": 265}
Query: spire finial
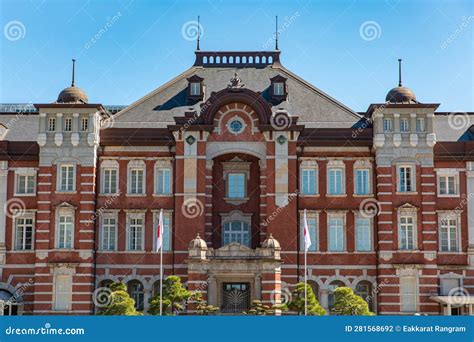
{"x": 73, "y": 65}
{"x": 199, "y": 33}
{"x": 276, "y": 32}
{"x": 399, "y": 72}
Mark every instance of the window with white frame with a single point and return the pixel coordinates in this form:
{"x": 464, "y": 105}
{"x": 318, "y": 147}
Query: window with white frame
{"x": 195, "y": 89}
{"x": 362, "y": 182}
{"x": 109, "y": 180}
{"x": 136, "y": 233}
{"x": 336, "y": 234}
{"x": 67, "y": 124}
{"x": 309, "y": 181}
{"x": 278, "y": 89}
{"x": 449, "y": 284}
{"x": 84, "y": 124}
{"x": 363, "y": 228}
{"x": 25, "y": 183}
{"x": 236, "y": 185}
{"x": 448, "y": 183}
{"x": 406, "y": 231}
{"x": 136, "y": 180}
{"x": 66, "y": 178}
{"x": 449, "y": 233}
{"x": 24, "y": 233}
{"x": 236, "y": 231}
{"x": 420, "y": 125}
{"x": 62, "y": 292}
{"x": 163, "y": 181}
{"x": 51, "y": 124}
{"x": 406, "y": 178}
{"x": 311, "y": 218}
{"x": 404, "y": 125}
{"x": 167, "y": 231}
{"x": 387, "y": 125}
{"x": 109, "y": 233}
{"x": 65, "y": 230}
{"x": 336, "y": 181}
{"x": 408, "y": 294}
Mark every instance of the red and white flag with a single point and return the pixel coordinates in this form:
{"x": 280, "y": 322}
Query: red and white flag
{"x": 307, "y": 238}
{"x": 159, "y": 232}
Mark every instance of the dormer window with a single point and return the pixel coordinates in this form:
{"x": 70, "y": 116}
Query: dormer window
{"x": 278, "y": 89}
{"x": 195, "y": 88}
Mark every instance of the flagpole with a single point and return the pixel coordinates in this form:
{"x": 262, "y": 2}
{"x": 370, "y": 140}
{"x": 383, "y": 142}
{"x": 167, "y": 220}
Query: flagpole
{"x": 305, "y": 281}
{"x": 161, "y": 261}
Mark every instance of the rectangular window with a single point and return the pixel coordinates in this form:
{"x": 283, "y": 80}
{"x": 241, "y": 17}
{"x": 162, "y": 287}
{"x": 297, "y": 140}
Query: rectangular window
{"x": 110, "y": 181}
{"x": 336, "y": 235}
{"x": 135, "y": 234}
{"x": 335, "y": 181}
{"x": 407, "y": 232}
{"x": 308, "y": 182}
{"x": 25, "y": 184}
{"x": 312, "y": 226}
{"x": 447, "y": 185}
{"x": 362, "y": 182}
{"x": 109, "y": 234}
{"x": 66, "y": 179}
{"x": 67, "y": 124}
{"x": 405, "y": 179}
{"x": 136, "y": 181}
{"x": 166, "y": 232}
{"x": 363, "y": 235}
{"x": 408, "y": 294}
{"x": 24, "y": 234}
{"x": 66, "y": 224}
{"x": 387, "y": 125}
{"x": 62, "y": 292}
{"x": 52, "y": 124}
{"x": 236, "y": 185}
{"x": 404, "y": 125}
{"x": 278, "y": 89}
{"x": 448, "y": 284}
{"x": 84, "y": 124}
{"x": 420, "y": 125}
{"x": 195, "y": 89}
{"x": 163, "y": 181}
{"x": 449, "y": 235}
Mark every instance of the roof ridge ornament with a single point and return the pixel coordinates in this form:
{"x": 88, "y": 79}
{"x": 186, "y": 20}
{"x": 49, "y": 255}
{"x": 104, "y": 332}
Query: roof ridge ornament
{"x": 235, "y": 82}
{"x": 73, "y": 67}
{"x": 399, "y": 72}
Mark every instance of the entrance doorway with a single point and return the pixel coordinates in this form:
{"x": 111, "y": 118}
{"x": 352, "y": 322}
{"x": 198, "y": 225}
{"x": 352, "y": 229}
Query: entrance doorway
{"x": 235, "y": 297}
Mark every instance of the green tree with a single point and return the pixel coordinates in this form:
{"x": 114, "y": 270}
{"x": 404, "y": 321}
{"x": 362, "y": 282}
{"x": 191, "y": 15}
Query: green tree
{"x": 175, "y": 295}
{"x": 202, "y": 308}
{"x": 348, "y": 303}
{"x": 297, "y": 302}
{"x": 257, "y": 308}
{"x": 119, "y": 302}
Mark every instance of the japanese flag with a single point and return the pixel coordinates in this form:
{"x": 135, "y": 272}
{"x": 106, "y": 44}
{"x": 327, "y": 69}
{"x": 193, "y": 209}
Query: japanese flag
{"x": 307, "y": 238}
{"x": 159, "y": 232}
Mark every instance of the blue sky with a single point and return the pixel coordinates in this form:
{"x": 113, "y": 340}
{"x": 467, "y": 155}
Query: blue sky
{"x": 349, "y": 49}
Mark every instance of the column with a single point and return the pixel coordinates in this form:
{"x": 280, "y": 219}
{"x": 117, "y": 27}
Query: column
{"x": 3, "y": 201}
{"x": 470, "y": 205}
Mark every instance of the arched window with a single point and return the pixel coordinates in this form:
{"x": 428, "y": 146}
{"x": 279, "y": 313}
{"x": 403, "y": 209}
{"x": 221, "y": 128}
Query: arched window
{"x": 8, "y": 303}
{"x": 332, "y": 286}
{"x": 314, "y": 285}
{"x": 236, "y": 231}
{"x": 364, "y": 290}
{"x": 135, "y": 290}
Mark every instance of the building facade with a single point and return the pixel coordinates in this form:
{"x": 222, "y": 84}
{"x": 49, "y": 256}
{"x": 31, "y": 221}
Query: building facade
{"x": 235, "y": 150}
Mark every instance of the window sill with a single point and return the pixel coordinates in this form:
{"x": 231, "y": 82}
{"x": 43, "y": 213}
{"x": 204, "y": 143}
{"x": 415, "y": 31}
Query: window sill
{"x": 310, "y": 195}
{"x": 66, "y": 192}
{"x": 407, "y": 251}
{"x": 162, "y": 195}
{"x": 451, "y": 253}
{"x": 135, "y": 195}
{"x": 24, "y": 195}
{"x": 21, "y": 251}
{"x": 449, "y": 196}
{"x": 363, "y": 195}
{"x": 342, "y": 195}
{"x": 103, "y": 194}
{"x": 406, "y": 193}
{"x": 236, "y": 201}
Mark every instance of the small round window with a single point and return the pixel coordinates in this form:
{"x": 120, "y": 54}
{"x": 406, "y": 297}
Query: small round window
{"x": 236, "y": 126}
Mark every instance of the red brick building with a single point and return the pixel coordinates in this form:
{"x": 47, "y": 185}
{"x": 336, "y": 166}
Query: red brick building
{"x": 234, "y": 150}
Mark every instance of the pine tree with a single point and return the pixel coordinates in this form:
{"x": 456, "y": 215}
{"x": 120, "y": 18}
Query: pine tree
{"x": 175, "y": 295}
{"x": 297, "y": 302}
{"x": 119, "y": 302}
{"x": 259, "y": 309}
{"x": 202, "y": 308}
{"x": 348, "y": 303}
